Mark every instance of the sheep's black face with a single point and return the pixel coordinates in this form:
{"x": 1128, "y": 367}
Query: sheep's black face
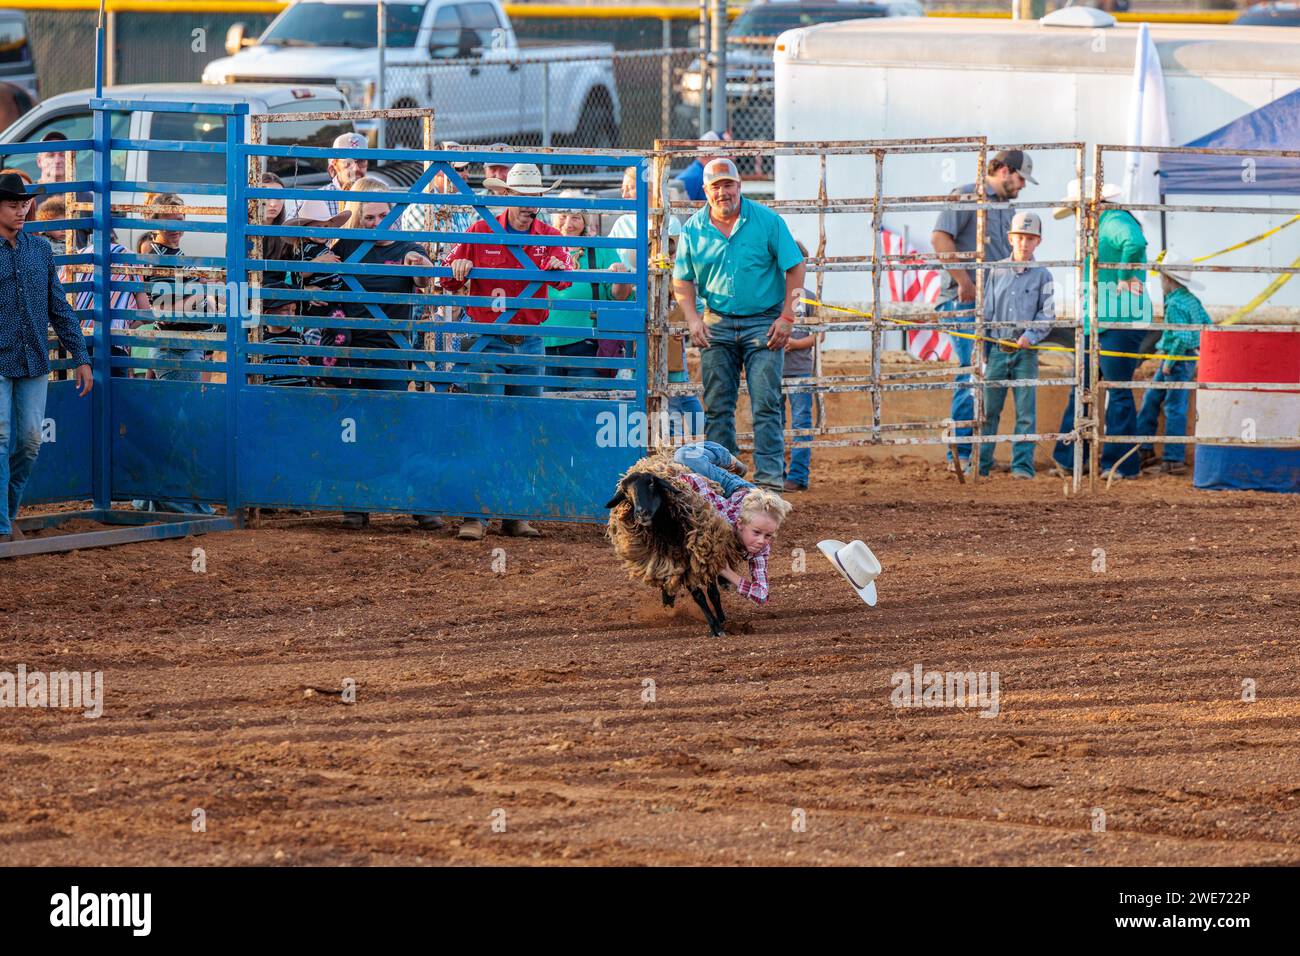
{"x": 646, "y": 497}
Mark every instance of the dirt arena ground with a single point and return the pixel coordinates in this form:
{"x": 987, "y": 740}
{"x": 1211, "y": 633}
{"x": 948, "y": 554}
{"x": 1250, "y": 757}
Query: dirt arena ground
{"x": 518, "y": 698}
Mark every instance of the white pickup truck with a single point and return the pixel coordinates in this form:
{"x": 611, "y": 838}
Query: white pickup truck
{"x": 460, "y": 57}
{"x": 69, "y": 114}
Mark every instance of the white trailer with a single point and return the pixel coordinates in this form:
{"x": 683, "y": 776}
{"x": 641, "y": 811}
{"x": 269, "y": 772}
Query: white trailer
{"x": 1020, "y": 82}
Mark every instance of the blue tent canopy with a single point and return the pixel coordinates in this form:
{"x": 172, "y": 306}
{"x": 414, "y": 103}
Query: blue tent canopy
{"x": 1274, "y": 126}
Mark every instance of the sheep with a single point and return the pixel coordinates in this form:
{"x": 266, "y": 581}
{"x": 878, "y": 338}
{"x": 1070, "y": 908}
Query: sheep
{"x": 671, "y": 538}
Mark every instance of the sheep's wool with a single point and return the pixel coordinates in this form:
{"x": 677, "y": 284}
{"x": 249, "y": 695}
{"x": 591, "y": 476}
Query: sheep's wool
{"x": 711, "y": 542}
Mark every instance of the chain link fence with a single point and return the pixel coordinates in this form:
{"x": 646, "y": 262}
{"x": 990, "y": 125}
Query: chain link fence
{"x": 625, "y": 100}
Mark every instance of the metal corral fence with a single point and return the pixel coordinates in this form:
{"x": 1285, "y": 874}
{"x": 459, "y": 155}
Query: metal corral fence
{"x": 880, "y": 314}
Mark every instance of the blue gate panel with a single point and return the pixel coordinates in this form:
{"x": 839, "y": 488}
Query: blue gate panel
{"x": 62, "y": 471}
{"x": 427, "y": 453}
{"x": 169, "y": 440}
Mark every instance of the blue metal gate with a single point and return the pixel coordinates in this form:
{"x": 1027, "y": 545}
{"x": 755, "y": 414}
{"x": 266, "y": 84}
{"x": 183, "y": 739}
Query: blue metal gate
{"x": 349, "y": 439}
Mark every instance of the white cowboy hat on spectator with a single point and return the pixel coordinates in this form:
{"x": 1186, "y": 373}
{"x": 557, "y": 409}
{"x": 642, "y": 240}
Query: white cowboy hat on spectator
{"x": 1169, "y": 265}
{"x": 524, "y": 179}
{"x": 1109, "y": 191}
{"x": 858, "y": 565}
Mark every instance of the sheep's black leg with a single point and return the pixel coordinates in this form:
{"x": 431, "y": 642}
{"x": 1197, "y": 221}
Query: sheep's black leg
{"x": 716, "y": 598}
{"x": 715, "y": 626}
{"x": 668, "y": 598}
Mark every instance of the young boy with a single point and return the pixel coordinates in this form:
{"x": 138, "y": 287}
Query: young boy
{"x": 799, "y": 364}
{"x": 1021, "y": 295}
{"x": 274, "y": 312}
{"x": 755, "y": 513}
{"x": 1181, "y": 307}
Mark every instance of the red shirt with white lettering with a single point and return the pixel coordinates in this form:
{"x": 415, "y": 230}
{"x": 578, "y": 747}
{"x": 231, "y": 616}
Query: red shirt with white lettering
{"x": 487, "y": 256}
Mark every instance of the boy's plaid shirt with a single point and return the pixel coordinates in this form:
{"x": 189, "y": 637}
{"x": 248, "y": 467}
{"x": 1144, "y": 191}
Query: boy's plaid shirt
{"x": 1181, "y": 306}
{"x": 755, "y": 588}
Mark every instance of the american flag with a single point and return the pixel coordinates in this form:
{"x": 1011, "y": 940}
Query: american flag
{"x": 918, "y": 285}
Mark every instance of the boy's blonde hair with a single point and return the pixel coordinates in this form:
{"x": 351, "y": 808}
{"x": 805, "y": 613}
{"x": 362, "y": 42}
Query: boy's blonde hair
{"x": 760, "y": 501}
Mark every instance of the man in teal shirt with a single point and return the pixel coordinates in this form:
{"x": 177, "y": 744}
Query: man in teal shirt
{"x": 1120, "y": 298}
{"x": 740, "y": 259}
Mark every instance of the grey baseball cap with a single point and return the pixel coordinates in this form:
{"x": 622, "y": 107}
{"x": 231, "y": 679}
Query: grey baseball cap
{"x": 1019, "y": 161}
{"x": 719, "y": 169}
{"x": 1028, "y": 223}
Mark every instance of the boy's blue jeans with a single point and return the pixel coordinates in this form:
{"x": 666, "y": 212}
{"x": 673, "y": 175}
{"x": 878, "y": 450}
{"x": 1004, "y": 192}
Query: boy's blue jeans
{"x": 531, "y": 345}
{"x": 22, "y": 407}
{"x": 1174, "y": 401}
{"x": 1022, "y": 363}
{"x": 684, "y": 410}
{"x": 736, "y": 343}
{"x": 710, "y": 459}
{"x": 963, "y": 399}
{"x": 800, "y": 416}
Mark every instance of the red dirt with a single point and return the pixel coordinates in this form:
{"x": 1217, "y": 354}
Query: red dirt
{"x": 522, "y": 692}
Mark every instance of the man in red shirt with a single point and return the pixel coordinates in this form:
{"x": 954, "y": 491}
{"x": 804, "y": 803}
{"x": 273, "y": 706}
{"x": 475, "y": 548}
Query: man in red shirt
{"x": 524, "y": 179}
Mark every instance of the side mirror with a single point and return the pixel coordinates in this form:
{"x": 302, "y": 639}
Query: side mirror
{"x": 467, "y": 44}
{"x": 235, "y": 38}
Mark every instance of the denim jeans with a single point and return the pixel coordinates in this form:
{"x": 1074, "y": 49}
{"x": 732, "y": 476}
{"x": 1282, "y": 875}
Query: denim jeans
{"x": 1022, "y": 363}
{"x": 587, "y": 347}
{"x": 531, "y": 345}
{"x": 684, "y": 415}
{"x": 179, "y": 374}
{"x": 173, "y": 507}
{"x": 800, "y": 415}
{"x": 710, "y": 459}
{"x": 1121, "y": 413}
{"x": 736, "y": 343}
{"x": 963, "y": 399}
{"x": 1174, "y": 401}
{"x": 22, "y": 407}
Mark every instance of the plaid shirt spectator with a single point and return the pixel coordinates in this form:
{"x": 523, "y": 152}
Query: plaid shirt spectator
{"x": 1181, "y": 306}
{"x": 755, "y": 587}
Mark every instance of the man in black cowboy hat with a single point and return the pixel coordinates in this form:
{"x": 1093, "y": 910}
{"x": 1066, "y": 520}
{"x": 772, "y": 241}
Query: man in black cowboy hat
{"x": 31, "y": 300}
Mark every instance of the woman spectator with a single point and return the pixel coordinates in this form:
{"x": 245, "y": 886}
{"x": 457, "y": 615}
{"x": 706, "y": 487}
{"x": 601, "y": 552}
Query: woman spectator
{"x": 575, "y": 224}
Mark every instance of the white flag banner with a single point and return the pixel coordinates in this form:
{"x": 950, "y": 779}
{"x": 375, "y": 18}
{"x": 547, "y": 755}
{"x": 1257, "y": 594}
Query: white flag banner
{"x": 1148, "y": 126}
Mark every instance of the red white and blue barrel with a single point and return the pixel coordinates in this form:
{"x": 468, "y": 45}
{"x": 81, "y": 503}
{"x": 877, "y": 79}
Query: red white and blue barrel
{"x": 1253, "y": 414}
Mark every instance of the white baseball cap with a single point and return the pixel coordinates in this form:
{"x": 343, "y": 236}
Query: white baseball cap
{"x": 717, "y": 170}
{"x": 350, "y": 141}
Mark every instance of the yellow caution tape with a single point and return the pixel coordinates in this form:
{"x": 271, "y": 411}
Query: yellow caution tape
{"x": 1249, "y": 242}
{"x": 1011, "y": 342}
{"x": 1255, "y": 303}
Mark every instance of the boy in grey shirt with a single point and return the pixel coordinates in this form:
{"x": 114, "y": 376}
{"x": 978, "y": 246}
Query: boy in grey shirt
{"x": 1022, "y": 295}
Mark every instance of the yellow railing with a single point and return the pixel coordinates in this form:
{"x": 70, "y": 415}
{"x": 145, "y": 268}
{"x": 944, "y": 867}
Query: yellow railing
{"x": 537, "y": 11}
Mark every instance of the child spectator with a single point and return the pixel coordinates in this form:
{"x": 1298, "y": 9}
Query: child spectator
{"x": 275, "y": 311}
{"x": 799, "y": 364}
{"x": 173, "y": 316}
{"x": 1181, "y": 307}
{"x": 54, "y": 208}
{"x": 1020, "y": 295}
{"x": 755, "y": 513}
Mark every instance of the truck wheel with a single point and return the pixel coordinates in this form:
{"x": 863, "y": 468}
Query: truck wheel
{"x": 406, "y": 133}
{"x": 597, "y": 128}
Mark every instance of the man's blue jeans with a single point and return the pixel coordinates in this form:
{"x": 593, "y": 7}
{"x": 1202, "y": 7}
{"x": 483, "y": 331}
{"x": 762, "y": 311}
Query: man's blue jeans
{"x": 22, "y": 407}
{"x": 1121, "y": 412}
{"x": 179, "y": 374}
{"x": 800, "y": 416}
{"x": 1174, "y": 401}
{"x": 1004, "y": 366}
{"x": 963, "y": 399}
{"x": 531, "y": 345}
{"x": 736, "y": 343}
{"x": 710, "y": 459}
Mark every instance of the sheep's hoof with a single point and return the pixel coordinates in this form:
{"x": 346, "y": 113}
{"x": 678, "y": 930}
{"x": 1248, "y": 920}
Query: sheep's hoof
{"x": 717, "y": 632}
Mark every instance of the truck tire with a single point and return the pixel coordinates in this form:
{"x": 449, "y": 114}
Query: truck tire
{"x": 406, "y": 133}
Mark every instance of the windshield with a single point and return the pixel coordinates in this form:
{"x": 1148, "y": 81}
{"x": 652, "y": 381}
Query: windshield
{"x": 351, "y": 25}
{"x": 773, "y": 19}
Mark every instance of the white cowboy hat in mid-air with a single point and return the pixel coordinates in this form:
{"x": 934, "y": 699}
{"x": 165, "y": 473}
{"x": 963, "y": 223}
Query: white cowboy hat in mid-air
{"x": 523, "y": 178}
{"x": 858, "y": 565}
{"x": 1109, "y": 191}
